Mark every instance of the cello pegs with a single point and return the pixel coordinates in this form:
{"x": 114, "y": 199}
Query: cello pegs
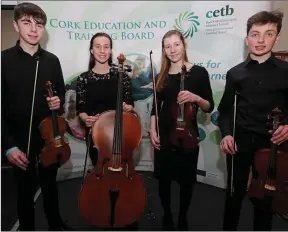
{"x": 128, "y": 68}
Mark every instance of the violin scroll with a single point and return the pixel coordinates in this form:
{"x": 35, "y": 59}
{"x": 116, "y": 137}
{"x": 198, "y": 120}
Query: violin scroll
{"x": 49, "y": 88}
{"x": 184, "y": 70}
{"x": 275, "y": 119}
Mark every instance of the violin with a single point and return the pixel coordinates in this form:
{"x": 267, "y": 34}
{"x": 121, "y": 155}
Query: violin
{"x": 184, "y": 135}
{"x": 53, "y": 128}
{"x": 271, "y": 179}
{"x": 113, "y": 194}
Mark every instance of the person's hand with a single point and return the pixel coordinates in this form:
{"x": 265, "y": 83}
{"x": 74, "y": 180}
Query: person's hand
{"x": 186, "y": 96}
{"x": 127, "y": 108}
{"x": 155, "y": 139}
{"x": 18, "y": 158}
{"x": 280, "y": 135}
{"x": 90, "y": 120}
{"x": 53, "y": 102}
{"x": 227, "y": 145}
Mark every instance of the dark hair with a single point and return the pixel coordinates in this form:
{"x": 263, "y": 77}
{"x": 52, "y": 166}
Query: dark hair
{"x": 28, "y": 9}
{"x": 92, "y": 59}
{"x": 264, "y": 17}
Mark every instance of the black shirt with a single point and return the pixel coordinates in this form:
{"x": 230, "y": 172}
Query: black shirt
{"x": 260, "y": 88}
{"x": 17, "y": 79}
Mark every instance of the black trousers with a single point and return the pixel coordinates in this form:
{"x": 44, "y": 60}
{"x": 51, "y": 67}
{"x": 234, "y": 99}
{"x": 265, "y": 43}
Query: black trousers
{"x": 247, "y": 145}
{"x": 27, "y": 182}
{"x": 186, "y": 191}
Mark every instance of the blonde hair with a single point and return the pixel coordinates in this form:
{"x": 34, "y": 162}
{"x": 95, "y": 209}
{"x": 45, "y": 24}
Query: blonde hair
{"x": 165, "y": 62}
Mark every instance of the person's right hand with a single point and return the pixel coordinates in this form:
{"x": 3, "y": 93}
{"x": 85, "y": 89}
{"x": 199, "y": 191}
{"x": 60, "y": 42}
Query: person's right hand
{"x": 155, "y": 139}
{"x": 18, "y": 158}
{"x": 227, "y": 145}
{"x": 90, "y": 120}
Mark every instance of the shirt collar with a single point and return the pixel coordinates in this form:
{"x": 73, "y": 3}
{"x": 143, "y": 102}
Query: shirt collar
{"x": 38, "y": 53}
{"x": 271, "y": 59}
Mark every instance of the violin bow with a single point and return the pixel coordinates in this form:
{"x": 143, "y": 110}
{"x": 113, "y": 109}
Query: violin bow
{"x": 154, "y": 92}
{"x": 234, "y": 145}
{"x": 32, "y": 109}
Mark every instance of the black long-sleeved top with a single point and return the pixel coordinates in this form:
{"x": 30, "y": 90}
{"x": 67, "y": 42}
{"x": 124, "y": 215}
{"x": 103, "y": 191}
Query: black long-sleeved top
{"x": 96, "y": 93}
{"x": 197, "y": 82}
{"x": 17, "y": 79}
{"x": 260, "y": 88}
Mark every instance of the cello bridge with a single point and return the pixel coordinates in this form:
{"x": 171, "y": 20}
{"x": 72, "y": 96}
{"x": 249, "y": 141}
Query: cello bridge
{"x": 115, "y": 169}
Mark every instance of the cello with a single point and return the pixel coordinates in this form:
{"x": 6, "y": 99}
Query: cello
{"x": 113, "y": 194}
{"x": 271, "y": 179}
{"x": 184, "y": 116}
{"x": 53, "y": 128}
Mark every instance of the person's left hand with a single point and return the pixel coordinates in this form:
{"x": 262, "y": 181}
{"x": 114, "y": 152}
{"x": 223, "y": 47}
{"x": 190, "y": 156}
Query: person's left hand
{"x": 53, "y": 102}
{"x": 127, "y": 108}
{"x": 280, "y": 135}
{"x": 186, "y": 96}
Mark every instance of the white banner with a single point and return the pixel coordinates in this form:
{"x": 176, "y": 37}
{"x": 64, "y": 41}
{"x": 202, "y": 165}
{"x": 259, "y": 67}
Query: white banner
{"x": 215, "y": 32}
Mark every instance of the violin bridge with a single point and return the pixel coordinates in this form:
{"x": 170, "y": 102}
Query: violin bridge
{"x": 270, "y": 187}
{"x": 57, "y": 141}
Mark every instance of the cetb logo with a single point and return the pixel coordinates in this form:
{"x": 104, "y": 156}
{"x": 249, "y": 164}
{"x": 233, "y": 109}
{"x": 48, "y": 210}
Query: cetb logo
{"x": 187, "y": 24}
{"x": 224, "y": 11}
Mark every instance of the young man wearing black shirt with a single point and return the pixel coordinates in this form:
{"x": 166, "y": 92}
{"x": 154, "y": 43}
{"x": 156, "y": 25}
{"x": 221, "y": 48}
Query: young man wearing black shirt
{"x": 21, "y": 66}
{"x": 260, "y": 84}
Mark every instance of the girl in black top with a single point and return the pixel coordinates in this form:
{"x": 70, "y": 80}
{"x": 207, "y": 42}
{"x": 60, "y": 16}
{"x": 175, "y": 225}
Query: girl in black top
{"x": 171, "y": 164}
{"x": 96, "y": 89}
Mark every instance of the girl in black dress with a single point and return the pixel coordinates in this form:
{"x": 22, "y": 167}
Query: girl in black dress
{"x": 96, "y": 90}
{"x": 170, "y": 163}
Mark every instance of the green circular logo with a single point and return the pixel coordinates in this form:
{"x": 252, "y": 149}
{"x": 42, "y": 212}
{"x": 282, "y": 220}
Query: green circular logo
{"x": 214, "y": 118}
{"x": 202, "y": 134}
{"x": 217, "y": 97}
{"x": 187, "y": 23}
{"x": 215, "y": 136}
